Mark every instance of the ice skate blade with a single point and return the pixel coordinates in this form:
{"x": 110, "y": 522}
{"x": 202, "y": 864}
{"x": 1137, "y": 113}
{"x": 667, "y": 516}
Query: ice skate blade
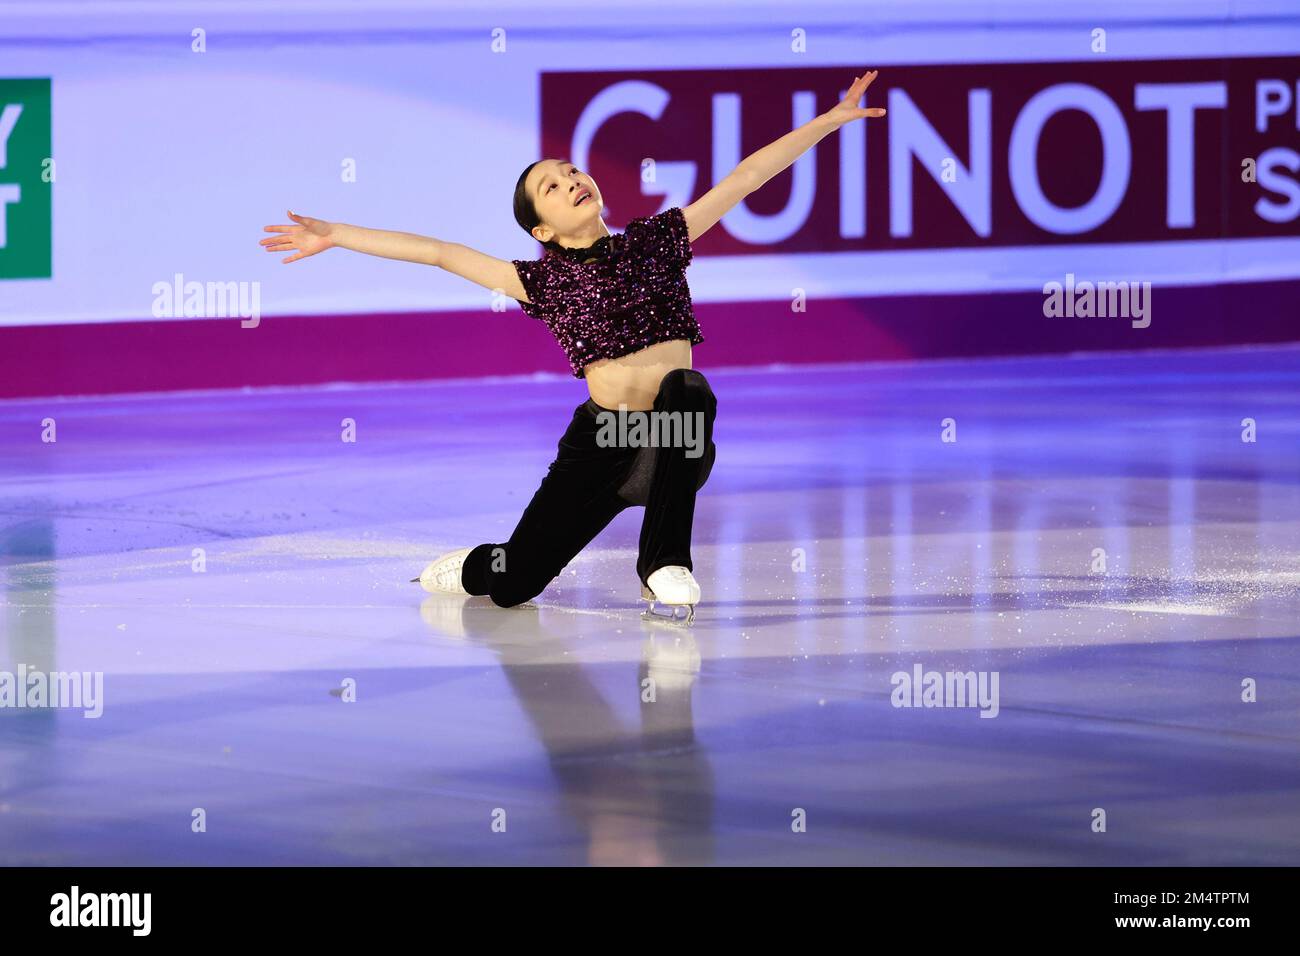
{"x": 659, "y": 617}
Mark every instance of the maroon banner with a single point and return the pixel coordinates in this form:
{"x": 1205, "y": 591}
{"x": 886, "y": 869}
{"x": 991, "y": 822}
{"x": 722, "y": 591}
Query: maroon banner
{"x": 969, "y": 155}
{"x": 100, "y": 358}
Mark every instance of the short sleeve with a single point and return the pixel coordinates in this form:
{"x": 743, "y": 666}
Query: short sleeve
{"x": 535, "y": 276}
{"x": 663, "y": 236}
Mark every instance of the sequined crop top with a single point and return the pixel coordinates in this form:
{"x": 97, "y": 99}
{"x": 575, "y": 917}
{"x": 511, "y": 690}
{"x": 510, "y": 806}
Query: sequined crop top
{"x": 634, "y": 297}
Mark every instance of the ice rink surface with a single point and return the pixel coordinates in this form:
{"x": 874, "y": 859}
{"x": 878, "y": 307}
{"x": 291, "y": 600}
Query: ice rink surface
{"x": 1098, "y": 548}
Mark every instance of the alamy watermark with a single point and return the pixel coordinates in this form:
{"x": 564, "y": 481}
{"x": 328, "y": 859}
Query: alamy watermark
{"x": 34, "y": 689}
{"x": 179, "y": 299}
{"x": 75, "y": 908}
{"x": 1098, "y": 299}
{"x": 652, "y": 429}
{"x": 922, "y": 688}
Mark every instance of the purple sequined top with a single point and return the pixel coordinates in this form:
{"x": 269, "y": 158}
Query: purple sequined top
{"x": 632, "y": 298}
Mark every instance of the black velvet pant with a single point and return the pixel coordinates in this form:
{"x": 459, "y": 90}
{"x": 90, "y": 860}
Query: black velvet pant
{"x": 587, "y": 485}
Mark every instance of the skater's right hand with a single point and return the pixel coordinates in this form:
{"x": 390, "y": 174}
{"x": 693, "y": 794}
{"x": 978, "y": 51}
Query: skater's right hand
{"x": 309, "y": 237}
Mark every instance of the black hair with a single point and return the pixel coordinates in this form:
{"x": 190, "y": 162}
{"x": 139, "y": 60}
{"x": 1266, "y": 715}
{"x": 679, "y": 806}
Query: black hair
{"x": 526, "y": 210}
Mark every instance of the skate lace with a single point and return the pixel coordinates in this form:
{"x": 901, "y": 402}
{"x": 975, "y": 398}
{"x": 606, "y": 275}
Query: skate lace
{"x": 450, "y": 572}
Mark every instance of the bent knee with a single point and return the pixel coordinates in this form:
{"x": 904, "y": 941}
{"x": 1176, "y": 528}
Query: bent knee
{"x": 706, "y": 469}
{"x": 685, "y": 378}
{"x": 510, "y": 593}
{"x": 687, "y": 385}
{"x": 507, "y": 598}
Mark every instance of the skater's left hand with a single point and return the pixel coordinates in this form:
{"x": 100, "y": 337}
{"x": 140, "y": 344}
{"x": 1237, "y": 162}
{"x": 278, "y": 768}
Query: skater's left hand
{"x": 847, "y": 109}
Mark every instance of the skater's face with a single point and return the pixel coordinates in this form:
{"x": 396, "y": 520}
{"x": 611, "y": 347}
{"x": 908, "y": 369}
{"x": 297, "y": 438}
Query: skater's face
{"x": 566, "y": 199}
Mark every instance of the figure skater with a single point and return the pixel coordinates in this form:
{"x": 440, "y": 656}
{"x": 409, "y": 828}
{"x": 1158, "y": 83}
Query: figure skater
{"x": 620, "y": 307}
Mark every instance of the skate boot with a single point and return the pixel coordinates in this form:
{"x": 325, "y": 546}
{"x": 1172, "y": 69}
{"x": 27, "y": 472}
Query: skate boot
{"x": 672, "y": 586}
{"x": 443, "y": 575}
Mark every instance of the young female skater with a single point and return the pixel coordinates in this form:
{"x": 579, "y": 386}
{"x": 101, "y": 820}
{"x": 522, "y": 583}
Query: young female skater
{"x": 620, "y": 308}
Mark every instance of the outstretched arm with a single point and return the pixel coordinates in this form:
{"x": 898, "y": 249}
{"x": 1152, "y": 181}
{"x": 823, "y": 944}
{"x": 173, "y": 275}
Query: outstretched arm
{"x": 760, "y": 166}
{"x": 311, "y": 236}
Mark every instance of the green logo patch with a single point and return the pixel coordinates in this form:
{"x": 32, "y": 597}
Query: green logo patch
{"x": 26, "y": 180}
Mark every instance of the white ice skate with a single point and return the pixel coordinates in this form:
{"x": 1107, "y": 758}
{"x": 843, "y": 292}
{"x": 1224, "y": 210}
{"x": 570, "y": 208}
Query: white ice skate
{"x": 672, "y": 586}
{"x": 443, "y": 575}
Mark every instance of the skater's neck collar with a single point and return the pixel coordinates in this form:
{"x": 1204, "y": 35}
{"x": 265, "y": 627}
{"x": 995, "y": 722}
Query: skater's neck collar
{"x": 598, "y": 250}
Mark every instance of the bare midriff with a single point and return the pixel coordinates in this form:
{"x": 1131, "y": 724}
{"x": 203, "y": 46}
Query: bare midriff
{"x": 633, "y": 379}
